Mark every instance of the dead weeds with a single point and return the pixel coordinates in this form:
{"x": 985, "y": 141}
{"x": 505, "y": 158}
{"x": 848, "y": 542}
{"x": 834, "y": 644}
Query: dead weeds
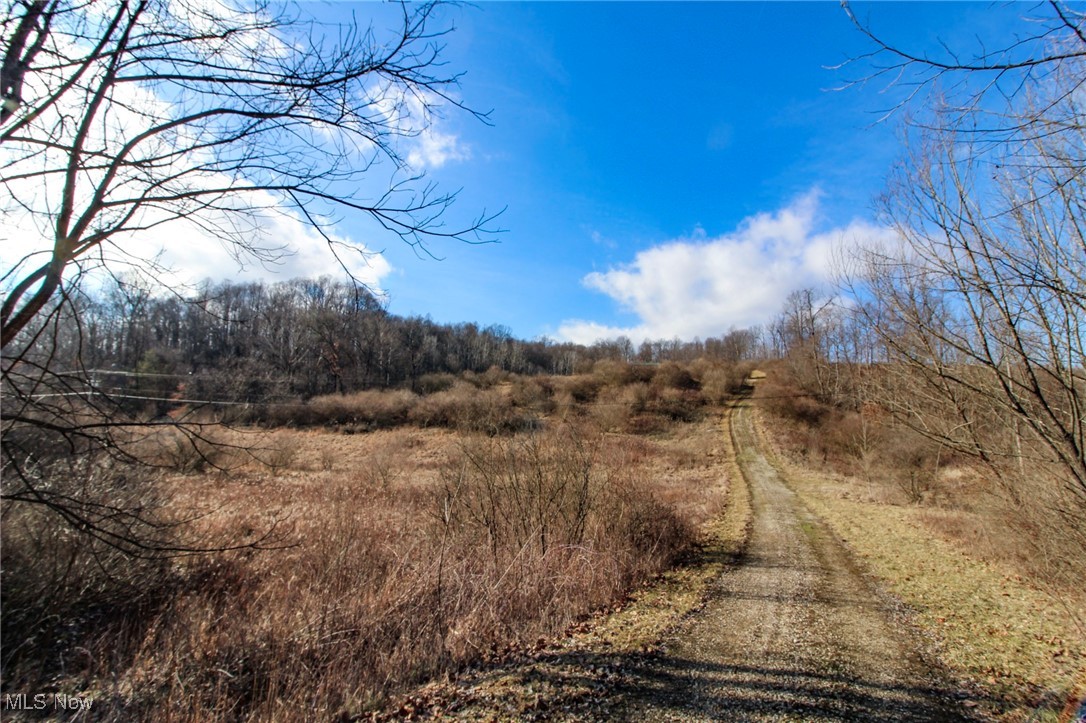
{"x": 573, "y": 676}
{"x": 386, "y": 579}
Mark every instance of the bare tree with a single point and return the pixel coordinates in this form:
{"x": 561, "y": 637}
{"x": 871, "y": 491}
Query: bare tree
{"x": 979, "y": 82}
{"x": 981, "y": 308}
{"x": 122, "y": 118}
{"x": 812, "y": 332}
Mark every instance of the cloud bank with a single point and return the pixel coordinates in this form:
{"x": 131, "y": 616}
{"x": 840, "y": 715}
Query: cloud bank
{"x": 184, "y": 252}
{"x": 701, "y": 287}
{"x": 286, "y": 247}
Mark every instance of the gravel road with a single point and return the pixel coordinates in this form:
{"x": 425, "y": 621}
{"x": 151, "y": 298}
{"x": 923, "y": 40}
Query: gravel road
{"x": 792, "y": 632}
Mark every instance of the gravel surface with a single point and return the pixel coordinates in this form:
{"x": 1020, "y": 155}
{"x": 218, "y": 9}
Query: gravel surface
{"x": 792, "y": 632}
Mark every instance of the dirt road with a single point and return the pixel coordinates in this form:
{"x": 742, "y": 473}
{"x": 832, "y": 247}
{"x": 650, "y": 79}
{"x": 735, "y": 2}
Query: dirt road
{"x": 792, "y": 632}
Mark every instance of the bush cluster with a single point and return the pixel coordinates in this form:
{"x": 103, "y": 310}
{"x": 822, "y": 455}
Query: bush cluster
{"x": 637, "y": 398}
{"x": 865, "y": 442}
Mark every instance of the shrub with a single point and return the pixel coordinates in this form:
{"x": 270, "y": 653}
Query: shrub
{"x": 494, "y": 376}
{"x": 60, "y": 586}
{"x": 670, "y": 375}
{"x": 716, "y": 384}
{"x": 678, "y": 405}
{"x": 187, "y": 449}
{"x": 645, "y": 424}
{"x": 636, "y": 396}
{"x": 467, "y": 408}
{"x": 443, "y": 409}
{"x": 640, "y": 373}
{"x": 546, "y": 494}
{"x": 434, "y": 382}
{"x": 611, "y": 412}
{"x": 722, "y": 381}
{"x": 534, "y": 393}
{"x": 789, "y": 402}
{"x": 582, "y": 388}
{"x": 278, "y": 451}
{"x": 611, "y": 373}
{"x": 284, "y": 414}
{"x": 366, "y": 410}
{"x": 914, "y": 462}
{"x": 648, "y": 527}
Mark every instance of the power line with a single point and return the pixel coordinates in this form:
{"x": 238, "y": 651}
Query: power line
{"x": 160, "y": 399}
{"x": 162, "y": 375}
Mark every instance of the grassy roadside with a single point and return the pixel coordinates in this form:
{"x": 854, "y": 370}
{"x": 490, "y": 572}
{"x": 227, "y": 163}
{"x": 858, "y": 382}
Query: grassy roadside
{"x": 570, "y": 677}
{"x": 1013, "y": 644}
{"x": 655, "y": 609}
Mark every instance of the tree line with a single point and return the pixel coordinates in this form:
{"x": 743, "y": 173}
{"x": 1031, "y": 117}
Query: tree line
{"x": 260, "y": 342}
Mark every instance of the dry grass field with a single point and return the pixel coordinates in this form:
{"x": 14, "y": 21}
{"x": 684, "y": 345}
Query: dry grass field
{"x": 400, "y": 555}
{"x": 397, "y": 552}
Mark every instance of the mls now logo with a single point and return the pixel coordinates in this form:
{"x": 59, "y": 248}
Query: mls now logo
{"x": 43, "y": 701}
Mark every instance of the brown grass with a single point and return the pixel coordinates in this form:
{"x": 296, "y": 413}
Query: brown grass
{"x": 414, "y": 552}
{"x": 551, "y": 675}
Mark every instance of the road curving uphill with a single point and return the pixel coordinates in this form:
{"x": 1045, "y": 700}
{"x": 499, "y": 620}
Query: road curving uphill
{"x": 793, "y": 631}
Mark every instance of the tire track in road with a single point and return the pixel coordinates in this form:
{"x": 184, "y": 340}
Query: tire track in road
{"x": 793, "y": 632}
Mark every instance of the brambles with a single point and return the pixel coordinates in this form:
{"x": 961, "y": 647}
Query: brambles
{"x": 360, "y": 411}
{"x": 621, "y": 397}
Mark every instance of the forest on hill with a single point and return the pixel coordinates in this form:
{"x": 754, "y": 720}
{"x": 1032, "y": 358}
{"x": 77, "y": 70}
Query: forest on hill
{"x": 265, "y": 343}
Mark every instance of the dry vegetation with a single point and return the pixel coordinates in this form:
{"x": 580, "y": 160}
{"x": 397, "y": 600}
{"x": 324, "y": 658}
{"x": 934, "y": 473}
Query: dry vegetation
{"x": 468, "y": 522}
{"x": 574, "y": 676}
{"x": 991, "y": 578}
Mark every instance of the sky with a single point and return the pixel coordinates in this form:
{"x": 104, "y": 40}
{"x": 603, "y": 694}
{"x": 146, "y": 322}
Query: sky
{"x": 666, "y": 169}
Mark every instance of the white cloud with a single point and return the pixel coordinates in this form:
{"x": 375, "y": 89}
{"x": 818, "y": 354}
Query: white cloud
{"x": 287, "y": 248}
{"x": 185, "y": 250}
{"x": 182, "y": 253}
{"x": 413, "y": 115}
{"x": 433, "y": 149}
{"x": 703, "y": 286}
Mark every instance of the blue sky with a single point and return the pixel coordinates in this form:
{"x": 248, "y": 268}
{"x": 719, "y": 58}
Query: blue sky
{"x": 669, "y": 169}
